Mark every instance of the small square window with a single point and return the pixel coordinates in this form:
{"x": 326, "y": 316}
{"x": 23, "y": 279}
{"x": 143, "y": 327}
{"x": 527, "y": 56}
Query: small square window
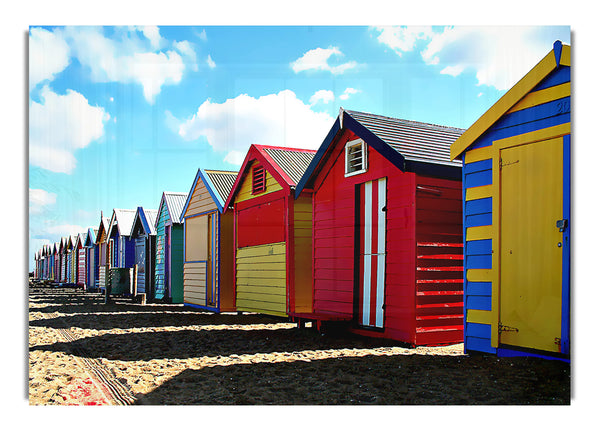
{"x": 356, "y": 157}
{"x": 259, "y": 180}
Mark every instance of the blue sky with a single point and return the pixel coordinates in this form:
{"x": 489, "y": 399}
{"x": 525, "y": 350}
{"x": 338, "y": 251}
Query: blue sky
{"x": 117, "y": 115}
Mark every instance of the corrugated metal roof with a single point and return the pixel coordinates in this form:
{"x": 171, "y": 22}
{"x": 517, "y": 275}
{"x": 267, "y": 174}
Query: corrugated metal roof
{"x": 124, "y": 220}
{"x": 421, "y": 142}
{"x": 223, "y": 181}
{"x": 292, "y": 162}
{"x": 175, "y": 203}
{"x": 151, "y": 219}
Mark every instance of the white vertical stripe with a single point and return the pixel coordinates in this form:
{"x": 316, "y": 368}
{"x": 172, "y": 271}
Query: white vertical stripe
{"x": 367, "y": 255}
{"x": 380, "y": 253}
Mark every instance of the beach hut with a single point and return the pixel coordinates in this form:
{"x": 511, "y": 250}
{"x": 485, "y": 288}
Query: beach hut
{"x": 36, "y": 259}
{"x": 517, "y": 204}
{"x": 63, "y": 260}
{"x": 143, "y": 236}
{"x": 387, "y": 232}
{"x": 208, "y": 242}
{"x": 91, "y": 255}
{"x": 71, "y": 259}
{"x": 272, "y": 232}
{"x": 121, "y": 250}
{"x": 102, "y": 244}
{"x": 55, "y": 261}
{"x": 168, "y": 277}
{"x": 80, "y": 252}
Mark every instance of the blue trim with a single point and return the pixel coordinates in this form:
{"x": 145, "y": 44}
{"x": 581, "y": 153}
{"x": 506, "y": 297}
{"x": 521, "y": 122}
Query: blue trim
{"x": 560, "y": 76}
{"x": 478, "y": 220}
{"x": 481, "y": 261}
{"x": 557, "y": 47}
{"x": 480, "y": 246}
{"x": 566, "y": 249}
{"x": 478, "y": 206}
{"x": 476, "y": 179}
{"x": 480, "y": 288}
{"x": 211, "y": 190}
{"x": 200, "y": 214}
{"x": 195, "y": 261}
{"x": 464, "y": 235}
{"x": 495, "y": 133}
{"x": 479, "y": 303}
{"x": 203, "y": 307}
{"x": 479, "y": 330}
{"x": 481, "y": 165}
{"x": 219, "y": 272}
{"x": 504, "y": 352}
{"x": 187, "y": 201}
{"x": 479, "y": 344}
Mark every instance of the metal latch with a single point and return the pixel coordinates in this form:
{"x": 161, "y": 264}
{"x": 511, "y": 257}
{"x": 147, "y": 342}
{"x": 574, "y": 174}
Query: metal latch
{"x": 504, "y": 328}
{"x": 562, "y": 224}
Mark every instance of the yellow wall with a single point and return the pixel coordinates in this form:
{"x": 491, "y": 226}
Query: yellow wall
{"x": 303, "y": 255}
{"x": 261, "y": 279}
{"x": 245, "y": 191}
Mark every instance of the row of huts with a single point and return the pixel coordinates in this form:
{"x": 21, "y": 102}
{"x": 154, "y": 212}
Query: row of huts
{"x": 415, "y": 232}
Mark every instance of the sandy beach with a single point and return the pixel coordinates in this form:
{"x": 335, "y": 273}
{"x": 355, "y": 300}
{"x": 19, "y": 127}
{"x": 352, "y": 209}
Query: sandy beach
{"x": 83, "y": 352}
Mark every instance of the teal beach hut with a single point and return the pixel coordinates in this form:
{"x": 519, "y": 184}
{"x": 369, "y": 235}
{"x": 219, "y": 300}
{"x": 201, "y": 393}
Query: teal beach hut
{"x": 169, "y": 248}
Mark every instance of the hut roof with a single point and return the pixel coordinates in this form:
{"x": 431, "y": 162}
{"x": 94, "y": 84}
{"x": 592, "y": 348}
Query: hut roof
{"x": 287, "y": 165}
{"x": 122, "y": 220}
{"x": 218, "y": 184}
{"x": 410, "y": 145}
{"x": 147, "y": 219}
{"x": 560, "y": 55}
{"x": 174, "y": 203}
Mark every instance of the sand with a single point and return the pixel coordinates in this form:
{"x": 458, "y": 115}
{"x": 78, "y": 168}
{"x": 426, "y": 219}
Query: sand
{"x": 82, "y": 352}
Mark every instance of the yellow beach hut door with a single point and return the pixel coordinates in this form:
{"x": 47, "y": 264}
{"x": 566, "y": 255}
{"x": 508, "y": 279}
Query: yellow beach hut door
{"x": 531, "y": 194}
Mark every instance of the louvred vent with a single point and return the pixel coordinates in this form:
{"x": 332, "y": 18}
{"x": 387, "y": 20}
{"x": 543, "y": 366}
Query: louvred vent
{"x": 258, "y": 180}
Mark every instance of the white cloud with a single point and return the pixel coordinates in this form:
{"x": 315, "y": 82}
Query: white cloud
{"x": 235, "y": 157}
{"x": 48, "y": 56}
{"x": 348, "y": 92}
{"x": 276, "y": 119}
{"x": 64, "y": 229}
{"x": 40, "y": 199}
{"x": 152, "y": 33}
{"x": 498, "y": 56}
{"x": 210, "y": 62}
{"x": 318, "y": 59}
{"x": 60, "y": 125}
{"x": 403, "y": 39}
{"x": 202, "y": 35}
{"x": 324, "y": 96}
{"x": 128, "y": 56}
{"x": 186, "y": 49}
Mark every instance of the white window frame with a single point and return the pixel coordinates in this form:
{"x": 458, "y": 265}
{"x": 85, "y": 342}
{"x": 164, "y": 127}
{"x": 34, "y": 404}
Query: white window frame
{"x": 353, "y": 143}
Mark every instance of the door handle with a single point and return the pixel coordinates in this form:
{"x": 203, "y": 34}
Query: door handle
{"x": 562, "y": 224}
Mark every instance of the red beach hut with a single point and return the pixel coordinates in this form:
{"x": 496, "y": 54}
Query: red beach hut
{"x": 272, "y": 232}
{"x": 387, "y": 229}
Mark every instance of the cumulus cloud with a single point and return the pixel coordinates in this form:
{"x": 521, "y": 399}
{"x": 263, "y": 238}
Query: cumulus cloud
{"x": 48, "y": 56}
{"x": 324, "y": 96}
{"x": 39, "y": 200}
{"x": 129, "y": 55}
{"x": 210, "y": 62}
{"x": 276, "y": 119}
{"x": 318, "y": 59}
{"x": 498, "y": 56}
{"x": 348, "y": 92}
{"x": 59, "y": 125}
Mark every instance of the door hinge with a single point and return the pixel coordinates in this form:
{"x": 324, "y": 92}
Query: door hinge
{"x": 504, "y": 328}
{"x": 557, "y": 341}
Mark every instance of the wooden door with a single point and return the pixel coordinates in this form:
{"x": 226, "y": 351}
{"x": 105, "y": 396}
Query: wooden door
{"x": 140, "y": 261}
{"x": 167, "y": 262}
{"x": 371, "y": 253}
{"x": 531, "y": 203}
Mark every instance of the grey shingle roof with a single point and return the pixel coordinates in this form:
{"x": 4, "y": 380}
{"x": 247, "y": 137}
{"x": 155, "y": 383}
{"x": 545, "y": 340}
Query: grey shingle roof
{"x": 416, "y": 141}
{"x": 175, "y": 202}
